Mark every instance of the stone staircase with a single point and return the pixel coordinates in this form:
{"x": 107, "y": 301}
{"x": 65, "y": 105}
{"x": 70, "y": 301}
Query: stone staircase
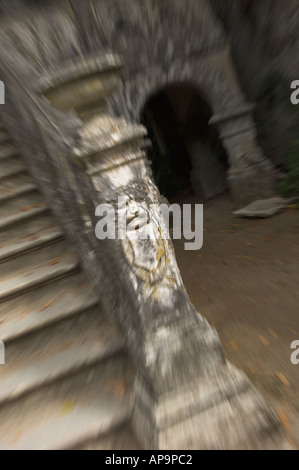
{"x": 67, "y": 380}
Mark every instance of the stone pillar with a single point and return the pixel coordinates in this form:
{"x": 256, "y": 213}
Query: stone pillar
{"x": 186, "y": 396}
{"x": 208, "y": 174}
{"x": 251, "y": 175}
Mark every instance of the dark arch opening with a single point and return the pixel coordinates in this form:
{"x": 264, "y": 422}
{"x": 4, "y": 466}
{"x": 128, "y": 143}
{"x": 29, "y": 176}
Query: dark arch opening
{"x": 186, "y": 155}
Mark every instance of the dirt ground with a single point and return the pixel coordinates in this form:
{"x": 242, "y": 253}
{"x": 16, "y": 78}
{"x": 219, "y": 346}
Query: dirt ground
{"x": 245, "y": 282}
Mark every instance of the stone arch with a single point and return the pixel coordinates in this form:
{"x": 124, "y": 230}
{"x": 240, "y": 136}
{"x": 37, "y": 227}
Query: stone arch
{"x": 187, "y": 156}
{"x": 221, "y": 94}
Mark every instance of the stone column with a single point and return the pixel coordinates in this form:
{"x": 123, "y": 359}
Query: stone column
{"x": 251, "y": 175}
{"x": 186, "y": 396}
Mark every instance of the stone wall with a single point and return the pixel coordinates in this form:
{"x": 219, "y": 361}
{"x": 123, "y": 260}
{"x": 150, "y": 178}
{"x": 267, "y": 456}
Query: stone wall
{"x": 167, "y": 42}
{"x": 159, "y": 42}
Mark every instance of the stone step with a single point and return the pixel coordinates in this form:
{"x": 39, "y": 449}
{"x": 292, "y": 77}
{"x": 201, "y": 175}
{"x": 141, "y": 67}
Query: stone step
{"x": 56, "y": 351}
{"x": 76, "y": 409}
{"x": 49, "y": 304}
{"x": 18, "y": 191}
{"x": 11, "y": 167}
{"x": 7, "y": 151}
{"x": 66, "y": 378}
{"x": 16, "y": 186}
{"x": 4, "y": 136}
{"x": 21, "y": 208}
{"x": 28, "y": 236}
{"x": 119, "y": 439}
{"x": 38, "y": 267}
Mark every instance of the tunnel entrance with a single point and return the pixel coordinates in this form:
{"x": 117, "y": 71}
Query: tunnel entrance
{"x": 186, "y": 153}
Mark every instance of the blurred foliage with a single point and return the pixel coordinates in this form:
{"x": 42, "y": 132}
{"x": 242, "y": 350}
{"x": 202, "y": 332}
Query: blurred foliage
{"x": 289, "y": 186}
{"x": 273, "y": 97}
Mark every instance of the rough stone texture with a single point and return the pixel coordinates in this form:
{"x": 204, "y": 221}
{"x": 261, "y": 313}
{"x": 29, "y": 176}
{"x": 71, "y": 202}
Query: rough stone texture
{"x": 172, "y": 409}
{"x": 250, "y": 175}
{"x": 264, "y": 208}
{"x": 205, "y": 403}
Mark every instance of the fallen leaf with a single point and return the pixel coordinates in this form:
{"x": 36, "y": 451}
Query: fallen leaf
{"x": 21, "y": 314}
{"x": 65, "y": 345}
{"x": 53, "y": 262}
{"x": 234, "y": 344}
{"x": 292, "y": 330}
{"x": 46, "y": 305}
{"x": 250, "y": 367}
{"x": 264, "y": 340}
{"x": 17, "y": 437}
{"x": 282, "y": 378}
{"x": 117, "y": 388}
{"x": 67, "y": 406}
{"x": 283, "y": 419}
{"x": 272, "y": 333}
